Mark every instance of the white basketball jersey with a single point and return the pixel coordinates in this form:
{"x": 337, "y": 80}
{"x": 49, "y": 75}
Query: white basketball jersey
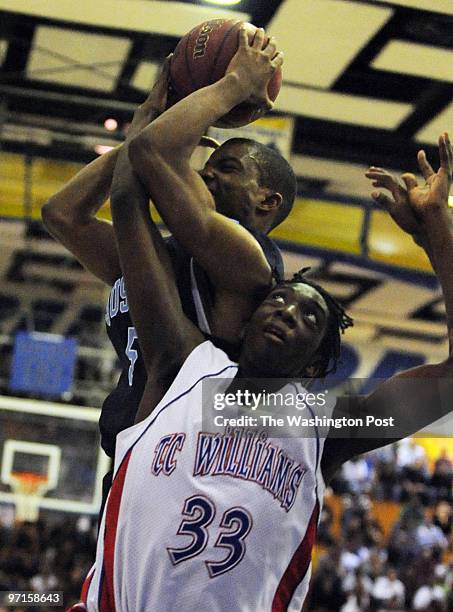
{"x": 197, "y": 521}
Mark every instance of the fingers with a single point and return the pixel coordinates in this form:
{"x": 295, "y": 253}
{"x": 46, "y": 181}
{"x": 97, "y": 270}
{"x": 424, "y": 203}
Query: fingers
{"x": 243, "y": 37}
{"x": 271, "y": 48}
{"x": 278, "y": 60}
{"x": 383, "y": 200}
{"x": 446, "y": 154}
{"x": 381, "y": 175}
{"x": 258, "y": 39}
{"x": 409, "y": 180}
{"x": 449, "y": 150}
{"x": 382, "y": 178}
{"x": 424, "y": 165}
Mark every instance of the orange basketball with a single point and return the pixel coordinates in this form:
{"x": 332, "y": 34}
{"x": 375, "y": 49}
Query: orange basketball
{"x": 202, "y": 57}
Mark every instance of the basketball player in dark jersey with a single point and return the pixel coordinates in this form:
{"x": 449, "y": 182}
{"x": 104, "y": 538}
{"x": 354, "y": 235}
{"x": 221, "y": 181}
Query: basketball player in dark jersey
{"x": 70, "y": 216}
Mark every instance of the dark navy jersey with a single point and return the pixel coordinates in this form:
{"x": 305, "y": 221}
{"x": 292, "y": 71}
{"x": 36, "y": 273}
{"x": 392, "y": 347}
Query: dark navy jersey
{"x": 120, "y": 407}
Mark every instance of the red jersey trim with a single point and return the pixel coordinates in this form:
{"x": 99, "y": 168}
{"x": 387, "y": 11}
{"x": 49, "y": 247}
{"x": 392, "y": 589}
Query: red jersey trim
{"x": 107, "y": 594}
{"x": 86, "y": 585}
{"x": 298, "y": 566}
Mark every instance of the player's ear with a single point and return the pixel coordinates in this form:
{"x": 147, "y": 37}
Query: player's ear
{"x": 270, "y": 202}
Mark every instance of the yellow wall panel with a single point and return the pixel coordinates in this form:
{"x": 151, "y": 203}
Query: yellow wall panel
{"x": 323, "y": 224}
{"x": 388, "y": 244}
{"x": 317, "y": 223}
{"x": 52, "y": 171}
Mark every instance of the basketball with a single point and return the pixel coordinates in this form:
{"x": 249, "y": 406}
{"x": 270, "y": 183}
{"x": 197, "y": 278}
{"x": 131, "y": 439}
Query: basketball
{"x": 202, "y": 57}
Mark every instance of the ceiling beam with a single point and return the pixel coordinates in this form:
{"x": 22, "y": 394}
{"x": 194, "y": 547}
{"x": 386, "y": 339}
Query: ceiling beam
{"x": 156, "y": 17}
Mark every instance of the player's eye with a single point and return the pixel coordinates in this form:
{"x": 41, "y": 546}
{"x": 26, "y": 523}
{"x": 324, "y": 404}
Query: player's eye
{"x": 279, "y": 298}
{"x": 311, "y": 318}
{"x": 228, "y": 168}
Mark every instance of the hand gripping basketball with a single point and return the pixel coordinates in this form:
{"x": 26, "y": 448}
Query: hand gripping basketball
{"x": 254, "y": 63}
{"x": 203, "y": 55}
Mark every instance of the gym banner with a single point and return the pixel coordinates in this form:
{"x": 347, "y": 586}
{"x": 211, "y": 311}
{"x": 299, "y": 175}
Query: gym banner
{"x": 43, "y": 363}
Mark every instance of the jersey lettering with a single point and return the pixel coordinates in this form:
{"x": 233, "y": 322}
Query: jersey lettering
{"x": 245, "y": 454}
{"x": 117, "y": 301}
{"x": 124, "y": 306}
{"x": 164, "y": 455}
{"x": 239, "y": 520}
{"x": 131, "y": 354}
{"x": 234, "y": 527}
{"x": 200, "y": 512}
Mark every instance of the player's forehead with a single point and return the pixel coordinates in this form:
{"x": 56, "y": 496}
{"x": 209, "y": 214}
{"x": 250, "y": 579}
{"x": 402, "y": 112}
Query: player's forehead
{"x": 241, "y": 151}
{"x": 302, "y": 292}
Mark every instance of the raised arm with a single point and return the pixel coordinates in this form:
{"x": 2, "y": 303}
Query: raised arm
{"x": 417, "y": 397}
{"x": 165, "y": 335}
{"x": 70, "y": 214}
{"x": 161, "y": 155}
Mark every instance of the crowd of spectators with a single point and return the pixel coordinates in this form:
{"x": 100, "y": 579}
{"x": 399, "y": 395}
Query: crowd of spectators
{"x": 359, "y": 569}
{"x": 358, "y": 566}
{"x": 50, "y": 555}
{"x": 398, "y": 472}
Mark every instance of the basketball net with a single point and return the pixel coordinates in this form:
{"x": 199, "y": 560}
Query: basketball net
{"x": 29, "y": 488}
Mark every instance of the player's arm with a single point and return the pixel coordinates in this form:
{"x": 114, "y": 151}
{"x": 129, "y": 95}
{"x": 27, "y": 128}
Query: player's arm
{"x": 165, "y": 335}
{"x": 161, "y": 155}
{"x": 417, "y": 397}
{"x": 70, "y": 215}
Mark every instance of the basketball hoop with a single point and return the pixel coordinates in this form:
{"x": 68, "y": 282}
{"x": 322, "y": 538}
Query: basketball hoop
{"x": 28, "y": 488}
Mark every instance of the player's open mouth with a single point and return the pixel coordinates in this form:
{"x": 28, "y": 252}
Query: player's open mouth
{"x": 275, "y": 333}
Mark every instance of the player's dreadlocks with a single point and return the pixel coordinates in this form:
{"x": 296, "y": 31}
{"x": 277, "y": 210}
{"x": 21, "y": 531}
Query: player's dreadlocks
{"x": 338, "y": 322}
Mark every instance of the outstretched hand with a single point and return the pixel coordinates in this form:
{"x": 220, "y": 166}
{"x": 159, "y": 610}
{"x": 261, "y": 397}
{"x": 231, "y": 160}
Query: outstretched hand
{"x": 254, "y": 63}
{"x": 409, "y": 205}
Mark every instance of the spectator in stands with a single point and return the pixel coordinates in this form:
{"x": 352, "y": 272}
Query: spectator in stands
{"x": 408, "y": 452}
{"x": 414, "y": 480}
{"x": 354, "y": 553}
{"x": 388, "y": 591}
{"x": 429, "y": 535}
{"x": 357, "y": 586}
{"x": 356, "y": 473}
{"x": 326, "y": 592}
{"x": 443, "y": 518}
{"x": 375, "y": 566}
{"x": 385, "y": 475}
{"x": 413, "y": 512}
{"x": 442, "y": 478}
{"x": 401, "y": 544}
{"x": 431, "y": 595}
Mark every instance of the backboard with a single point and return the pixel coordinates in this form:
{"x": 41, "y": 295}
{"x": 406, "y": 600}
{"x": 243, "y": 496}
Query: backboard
{"x": 58, "y": 441}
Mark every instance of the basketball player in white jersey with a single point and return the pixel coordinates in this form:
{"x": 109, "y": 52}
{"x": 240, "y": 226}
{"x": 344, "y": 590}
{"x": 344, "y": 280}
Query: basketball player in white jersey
{"x": 226, "y": 521}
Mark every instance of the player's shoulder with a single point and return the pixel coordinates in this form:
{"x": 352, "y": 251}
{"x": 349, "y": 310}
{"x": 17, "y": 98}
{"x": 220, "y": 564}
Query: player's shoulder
{"x": 270, "y": 250}
{"x": 207, "y": 359}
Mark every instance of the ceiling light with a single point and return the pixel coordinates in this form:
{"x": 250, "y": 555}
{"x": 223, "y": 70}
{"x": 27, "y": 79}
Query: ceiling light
{"x": 111, "y": 124}
{"x": 223, "y": 2}
{"x": 101, "y": 149}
